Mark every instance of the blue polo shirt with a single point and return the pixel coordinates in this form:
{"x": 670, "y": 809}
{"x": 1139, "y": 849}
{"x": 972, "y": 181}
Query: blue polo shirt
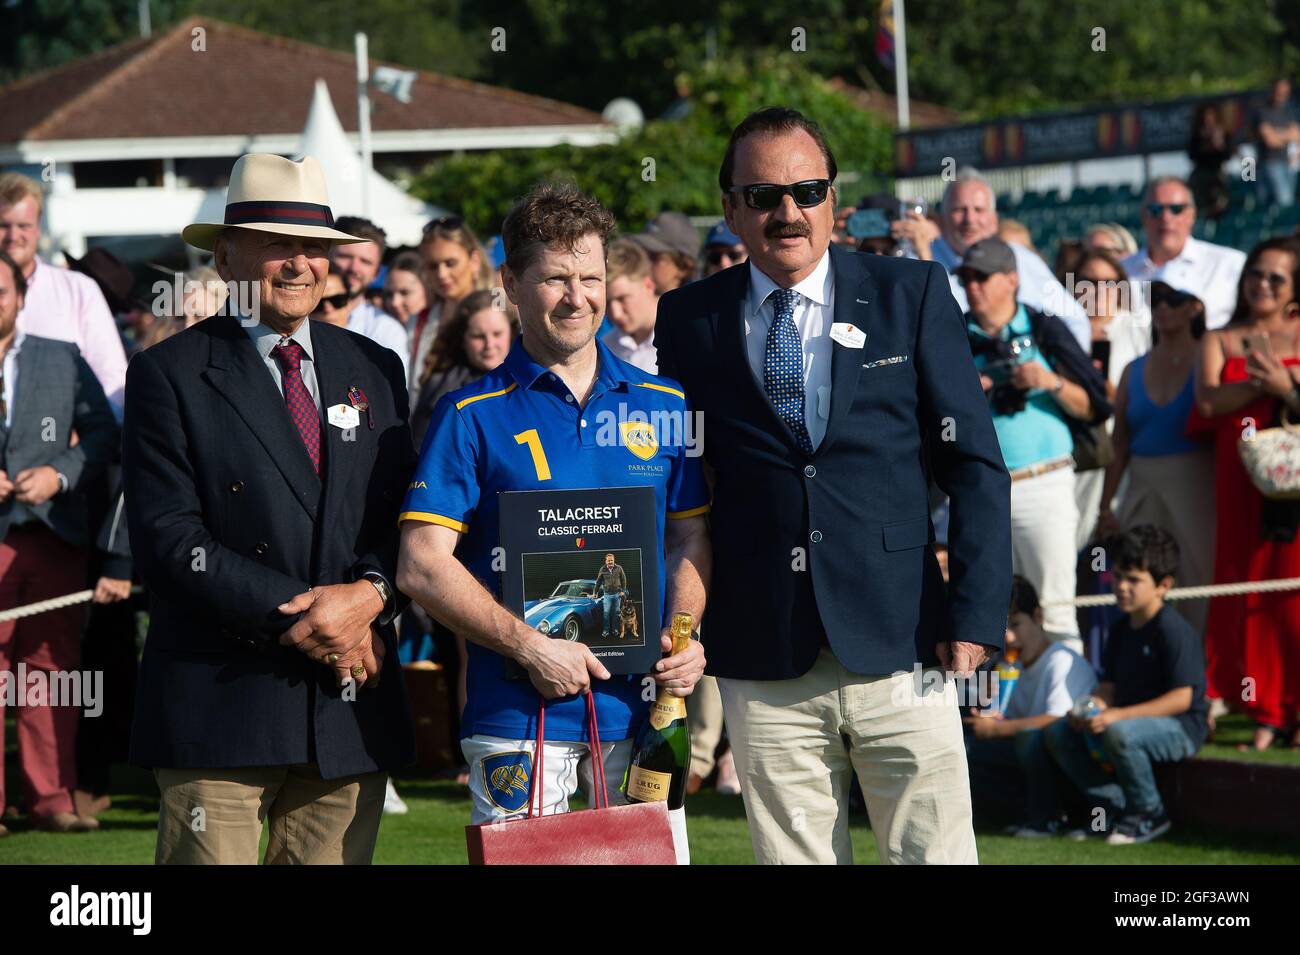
{"x": 519, "y": 428}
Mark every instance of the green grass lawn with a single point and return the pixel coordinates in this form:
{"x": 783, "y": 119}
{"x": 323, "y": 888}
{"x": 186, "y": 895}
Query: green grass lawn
{"x": 433, "y": 832}
{"x": 1234, "y": 729}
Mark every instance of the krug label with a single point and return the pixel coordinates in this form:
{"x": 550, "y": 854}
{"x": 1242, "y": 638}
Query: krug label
{"x": 662, "y": 714}
{"x": 646, "y": 785}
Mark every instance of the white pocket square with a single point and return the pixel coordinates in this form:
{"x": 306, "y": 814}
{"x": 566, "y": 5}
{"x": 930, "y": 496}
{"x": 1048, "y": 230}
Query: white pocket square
{"x": 884, "y": 361}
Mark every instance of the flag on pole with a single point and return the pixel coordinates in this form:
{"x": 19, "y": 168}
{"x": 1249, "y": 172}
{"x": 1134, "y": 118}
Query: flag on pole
{"x": 396, "y": 83}
{"x": 885, "y": 34}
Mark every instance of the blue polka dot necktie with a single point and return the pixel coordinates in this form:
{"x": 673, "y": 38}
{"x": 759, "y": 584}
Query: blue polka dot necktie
{"x": 783, "y": 367}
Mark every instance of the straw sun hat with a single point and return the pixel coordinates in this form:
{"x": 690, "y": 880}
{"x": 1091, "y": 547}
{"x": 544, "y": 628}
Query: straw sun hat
{"x": 269, "y": 193}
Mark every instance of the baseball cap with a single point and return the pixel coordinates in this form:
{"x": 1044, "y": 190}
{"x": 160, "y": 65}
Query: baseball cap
{"x": 669, "y": 232}
{"x": 721, "y": 235}
{"x": 988, "y": 256}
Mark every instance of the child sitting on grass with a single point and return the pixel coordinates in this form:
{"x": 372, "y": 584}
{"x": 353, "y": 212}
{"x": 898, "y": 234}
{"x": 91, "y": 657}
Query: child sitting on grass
{"x": 1151, "y": 696}
{"x": 999, "y": 743}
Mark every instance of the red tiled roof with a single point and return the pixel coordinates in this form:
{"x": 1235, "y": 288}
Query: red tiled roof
{"x": 920, "y": 113}
{"x": 245, "y": 83}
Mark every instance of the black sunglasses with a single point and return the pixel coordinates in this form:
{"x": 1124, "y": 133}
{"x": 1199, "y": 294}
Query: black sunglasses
{"x": 766, "y": 196}
{"x": 1272, "y": 278}
{"x": 1171, "y": 297}
{"x": 716, "y": 253}
{"x": 333, "y": 301}
{"x": 1155, "y": 209}
{"x": 444, "y": 222}
{"x": 971, "y": 277}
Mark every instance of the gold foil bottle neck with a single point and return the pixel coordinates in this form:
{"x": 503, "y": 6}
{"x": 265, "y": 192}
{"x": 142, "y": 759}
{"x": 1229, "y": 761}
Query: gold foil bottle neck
{"x": 683, "y": 625}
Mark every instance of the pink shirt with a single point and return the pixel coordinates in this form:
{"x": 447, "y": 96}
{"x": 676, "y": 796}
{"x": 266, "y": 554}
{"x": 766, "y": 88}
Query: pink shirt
{"x": 69, "y": 307}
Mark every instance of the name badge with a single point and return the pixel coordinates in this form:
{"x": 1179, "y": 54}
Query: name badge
{"x": 343, "y": 416}
{"x": 850, "y": 336}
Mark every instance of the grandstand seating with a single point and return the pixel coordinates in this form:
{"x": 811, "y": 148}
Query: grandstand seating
{"x": 1051, "y": 217}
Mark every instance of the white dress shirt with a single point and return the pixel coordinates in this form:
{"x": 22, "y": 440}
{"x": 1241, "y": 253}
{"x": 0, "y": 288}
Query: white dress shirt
{"x": 641, "y": 354}
{"x": 69, "y": 307}
{"x": 383, "y": 329}
{"x": 1209, "y": 271}
{"x": 266, "y": 338}
{"x": 10, "y": 370}
{"x": 813, "y": 315}
{"x": 1037, "y": 289}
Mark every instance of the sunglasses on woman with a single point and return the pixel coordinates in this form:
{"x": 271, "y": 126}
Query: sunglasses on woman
{"x": 766, "y": 196}
{"x": 1272, "y": 278}
{"x": 444, "y": 222}
{"x": 1170, "y": 297}
{"x": 333, "y": 301}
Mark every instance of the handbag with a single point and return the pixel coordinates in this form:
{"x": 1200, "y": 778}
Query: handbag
{"x": 635, "y": 834}
{"x": 1272, "y": 459}
{"x": 1093, "y": 448}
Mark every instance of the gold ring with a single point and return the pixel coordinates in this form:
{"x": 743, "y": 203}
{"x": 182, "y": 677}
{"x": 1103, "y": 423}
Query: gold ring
{"x": 331, "y": 658}
{"x": 358, "y": 672}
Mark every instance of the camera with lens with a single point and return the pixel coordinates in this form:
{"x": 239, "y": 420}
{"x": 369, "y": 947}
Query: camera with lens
{"x": 1005, "y": 398}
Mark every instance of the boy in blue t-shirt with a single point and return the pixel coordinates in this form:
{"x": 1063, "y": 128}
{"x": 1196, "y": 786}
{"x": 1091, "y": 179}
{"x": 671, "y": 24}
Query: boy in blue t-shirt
{"x": 1151, "y": 696}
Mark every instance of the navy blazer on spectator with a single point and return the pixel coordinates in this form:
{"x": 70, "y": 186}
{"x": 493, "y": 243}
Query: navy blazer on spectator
{"x": 228, "y": 520}
{"x": 55, "y": 395}
{"x": 831, "y": 548}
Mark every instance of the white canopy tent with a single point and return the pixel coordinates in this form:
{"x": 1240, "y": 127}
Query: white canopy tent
{"x": 401, "y": 216}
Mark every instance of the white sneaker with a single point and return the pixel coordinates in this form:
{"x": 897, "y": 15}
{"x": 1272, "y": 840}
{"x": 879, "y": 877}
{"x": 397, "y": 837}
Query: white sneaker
{"x": 728, "y": 784}
{"x": 393, "y": 805}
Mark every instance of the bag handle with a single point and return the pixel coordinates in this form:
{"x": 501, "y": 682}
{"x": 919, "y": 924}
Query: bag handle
{"x": 539, "y": 755}
{"x": 597, "y": 758}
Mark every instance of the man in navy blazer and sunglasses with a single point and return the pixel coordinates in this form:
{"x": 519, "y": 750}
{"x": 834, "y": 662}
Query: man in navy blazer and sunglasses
{"x": 834, "y": 386}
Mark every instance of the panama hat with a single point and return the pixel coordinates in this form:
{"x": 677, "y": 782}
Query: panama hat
{"x": 269, "y": 193}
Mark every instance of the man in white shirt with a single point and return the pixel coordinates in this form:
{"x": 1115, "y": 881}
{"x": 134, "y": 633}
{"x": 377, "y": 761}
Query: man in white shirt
{"x": 1209, "y": 271}
{"x": 60, "y": 304}
{"x": 358, "y": 264}
{"x": 633, "y": 304}
{"x": 969, "y": 214}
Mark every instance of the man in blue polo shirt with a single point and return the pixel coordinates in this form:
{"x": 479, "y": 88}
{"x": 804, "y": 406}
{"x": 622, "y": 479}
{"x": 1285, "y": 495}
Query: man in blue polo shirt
{"x": 535, "y": 423}
{"x": 1042, "y": 389}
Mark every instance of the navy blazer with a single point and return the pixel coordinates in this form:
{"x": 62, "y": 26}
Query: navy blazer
{"x": 831, "y": 548}
{"x": 228, "y": 520}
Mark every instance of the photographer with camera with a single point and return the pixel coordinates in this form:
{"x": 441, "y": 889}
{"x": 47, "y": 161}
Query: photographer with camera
{"x": 1042, "y": 390}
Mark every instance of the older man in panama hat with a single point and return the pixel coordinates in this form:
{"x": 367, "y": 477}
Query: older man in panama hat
{"x": 264, "y": 460}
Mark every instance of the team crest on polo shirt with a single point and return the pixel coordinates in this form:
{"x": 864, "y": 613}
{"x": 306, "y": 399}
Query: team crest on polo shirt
{"x": 507, "y": 778}
{"x": 639, "y": 438}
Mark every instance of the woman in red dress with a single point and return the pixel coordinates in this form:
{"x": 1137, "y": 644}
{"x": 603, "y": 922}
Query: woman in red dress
{"x": 1248, "y": 373}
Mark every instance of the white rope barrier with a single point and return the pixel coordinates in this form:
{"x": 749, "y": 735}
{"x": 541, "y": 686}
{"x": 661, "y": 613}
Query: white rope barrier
{"x": 1190, "y": 593}
{"x": 54, "y": 603}
{"x": 1089, "y": 600}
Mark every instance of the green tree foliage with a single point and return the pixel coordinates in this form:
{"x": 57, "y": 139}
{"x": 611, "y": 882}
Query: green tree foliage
{"x": 685, "y": 153}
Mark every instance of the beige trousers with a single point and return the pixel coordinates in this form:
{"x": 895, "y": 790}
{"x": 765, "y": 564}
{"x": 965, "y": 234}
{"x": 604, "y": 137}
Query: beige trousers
{"x": 797, "y": 743}
{"x": 215, "y": 816}
{"x": 704, "y": 717}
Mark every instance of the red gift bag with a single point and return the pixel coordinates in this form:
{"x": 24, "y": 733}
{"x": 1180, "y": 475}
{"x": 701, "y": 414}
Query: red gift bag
{"x": 637, "y": 834}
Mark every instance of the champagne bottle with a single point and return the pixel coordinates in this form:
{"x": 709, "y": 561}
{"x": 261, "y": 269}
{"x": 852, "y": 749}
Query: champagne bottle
{"x": 661, "y": 755}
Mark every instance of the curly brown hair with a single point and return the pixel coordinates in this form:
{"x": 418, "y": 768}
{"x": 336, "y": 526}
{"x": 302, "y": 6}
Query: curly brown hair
{"x": 552, "y": 213}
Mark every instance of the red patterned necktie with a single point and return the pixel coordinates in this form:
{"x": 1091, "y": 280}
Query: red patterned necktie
{"x": 298, "y": 399}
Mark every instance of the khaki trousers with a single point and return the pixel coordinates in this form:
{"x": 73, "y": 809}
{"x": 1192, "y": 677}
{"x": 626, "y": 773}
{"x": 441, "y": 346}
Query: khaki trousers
{"x": 798, "y": 741}
{"x": 215, "y": 816}
{"x": 704, "y": 718}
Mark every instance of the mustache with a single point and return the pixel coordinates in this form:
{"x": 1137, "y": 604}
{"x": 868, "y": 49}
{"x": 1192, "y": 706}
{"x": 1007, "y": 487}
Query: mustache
{"x": 787, "y": 230}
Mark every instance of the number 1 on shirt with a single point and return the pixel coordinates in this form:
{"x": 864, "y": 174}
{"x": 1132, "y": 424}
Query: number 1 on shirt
{"x": 534, "y": 443}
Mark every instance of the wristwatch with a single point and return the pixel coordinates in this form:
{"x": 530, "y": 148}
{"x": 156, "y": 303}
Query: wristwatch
{"x": 385, "y": 594}
{"x": 63, "y": 482}
{"x": 1060, "y": 383}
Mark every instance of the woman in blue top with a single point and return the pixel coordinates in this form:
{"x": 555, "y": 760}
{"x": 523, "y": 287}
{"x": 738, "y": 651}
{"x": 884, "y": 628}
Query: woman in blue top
{"x": 1171, "y": 477}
